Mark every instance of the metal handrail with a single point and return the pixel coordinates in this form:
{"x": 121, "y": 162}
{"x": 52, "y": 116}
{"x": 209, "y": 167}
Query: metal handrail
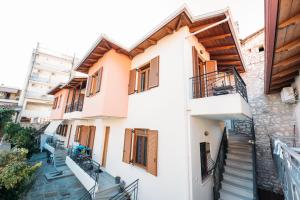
{"x": 91, "y": 167}
{"x": 218, "y": 83}
{"x": 90, "y": 194}
{"x": 287, "y": 163}
{"x": 219, "y": 166}
{"x": 129, "y": 192}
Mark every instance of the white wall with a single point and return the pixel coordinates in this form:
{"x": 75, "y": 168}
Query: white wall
{"x": 203, "y": 189}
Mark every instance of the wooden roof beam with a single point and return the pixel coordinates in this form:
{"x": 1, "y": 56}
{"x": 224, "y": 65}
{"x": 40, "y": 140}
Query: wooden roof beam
{"x": 215, "y": 37}
{"x": 87, "y": 64}
{"x": 179, "y": 22}
{"x": 169, "y": 30}
{"x": 92, "y": 60}
{"x": 291, "y": 21}
{"x": 219, "y": 48}
{"x": 229, "y": 63}
{"x": 288, "y": 61}
{"x": 286, "y": 72}
{"x": 106, "y": 44}
{"x": 139, "y": 50}
{"x": 281, "y": 85}
{"x": 102, "y": 48}
{"x": 197, "y": 28}
{"x": 289, "y": 46}
{"x": 224, "y": 57}
{"x": 283, "y": 79}
{"x": 97, "y": 54}
{"x": 152, "y": 41}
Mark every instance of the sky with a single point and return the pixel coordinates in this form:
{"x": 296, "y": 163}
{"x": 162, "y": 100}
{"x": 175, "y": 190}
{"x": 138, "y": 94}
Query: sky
{"x": 72, "y": 26}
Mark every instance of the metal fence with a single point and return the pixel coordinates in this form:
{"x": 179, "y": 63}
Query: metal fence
{"x": 287, "y": 162}
{"x": 218, "y": 83}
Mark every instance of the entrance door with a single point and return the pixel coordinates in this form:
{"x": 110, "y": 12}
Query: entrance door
{"x": 106, "y": 138}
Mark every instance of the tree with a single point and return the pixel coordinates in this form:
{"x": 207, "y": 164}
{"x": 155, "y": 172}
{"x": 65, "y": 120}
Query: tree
{"x": 20, "y": 137}
{"x": 15, "y": 173}
{"x": 5, "y": 117}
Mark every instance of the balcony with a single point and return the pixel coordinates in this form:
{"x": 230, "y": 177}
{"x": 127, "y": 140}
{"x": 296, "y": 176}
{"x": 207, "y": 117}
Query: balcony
{"x": 74, "y": 110}
{"x": 219, "y": 95}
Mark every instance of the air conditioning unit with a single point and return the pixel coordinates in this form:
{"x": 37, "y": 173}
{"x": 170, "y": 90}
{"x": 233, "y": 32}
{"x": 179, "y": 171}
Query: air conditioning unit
{"x": 288, "y": 95}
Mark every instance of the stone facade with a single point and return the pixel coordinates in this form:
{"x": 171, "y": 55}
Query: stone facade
{"x": 270, "y": 115}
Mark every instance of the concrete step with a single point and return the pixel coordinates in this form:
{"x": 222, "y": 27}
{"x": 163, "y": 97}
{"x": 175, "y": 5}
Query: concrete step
{"x": 239, "y": 172}
{"x": 238, "y": 180}
{"x": 239, "y": 157}
{"x": 239, "y": 165}
{"x": 227, "y": 195}
{"x": 237, "y": 189}
{"x": 235, "y": 150}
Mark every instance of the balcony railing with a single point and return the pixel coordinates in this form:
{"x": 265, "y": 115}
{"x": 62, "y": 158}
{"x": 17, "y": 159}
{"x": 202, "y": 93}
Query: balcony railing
{"x": 287, "y": 162}
{"x": 86, "y": 163}
{"x": 76, "y": 106}
{"x": 218, "y": 83}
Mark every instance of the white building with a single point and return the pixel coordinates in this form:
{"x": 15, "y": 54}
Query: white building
{"x": 156, "y": 112}
{"x": 46, "y": 69}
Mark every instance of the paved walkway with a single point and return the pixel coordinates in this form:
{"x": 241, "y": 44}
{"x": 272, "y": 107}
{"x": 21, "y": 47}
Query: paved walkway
{"x": 57, "y": 189}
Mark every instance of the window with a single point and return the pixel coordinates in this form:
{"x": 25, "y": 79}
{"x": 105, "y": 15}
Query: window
{"x": 206, "y": 161}
{"x": 55, "y": 103}
{"x": 59, "y": 101}
{"x": 261, "y": 48}
{"x": 140, "y": 146}
{"x": 94, "y": 83}
{"x": 62, "y": 130}
{"x": 148, "y": 77}
{"x": 77, "y": 134}
{"x": 144, "y": 78}
{"x": 143, "y": 152}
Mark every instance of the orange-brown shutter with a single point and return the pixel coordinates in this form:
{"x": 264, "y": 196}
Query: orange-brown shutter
{"x": 91, "y": 137}
{"x": 152, "y": 152}
{"x": 88, "y": 88}
{"x": 99, "y": 79}
{"x": 154, "y": 72}
{"x": 127, "y": 145}
{"x": 131, "y": 84}
{"x": 211, "y": 66}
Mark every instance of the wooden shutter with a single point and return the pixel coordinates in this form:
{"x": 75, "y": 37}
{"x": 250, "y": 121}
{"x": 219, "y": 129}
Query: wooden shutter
{"x": 131, "y": 84}
{"x": 152, "y": 152}
{"x": 88, "y": 89}
{"x": 210, "y": 67}
{"x": 98, "y": 87}
{"x": 91, "y": 137}
{"x": 127, "y": 145}
{"x": 154, "y": 72}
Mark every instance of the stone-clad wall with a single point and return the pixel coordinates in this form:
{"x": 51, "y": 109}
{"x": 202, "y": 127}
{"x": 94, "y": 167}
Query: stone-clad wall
{"x": 270, "y": 115}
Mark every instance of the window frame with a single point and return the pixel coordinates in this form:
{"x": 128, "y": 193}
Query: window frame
{"x": 205, "y": 174}
{"x": 54, "y": 106}
{"x": 137, "y": 133}
{"x": 144, "y": 69}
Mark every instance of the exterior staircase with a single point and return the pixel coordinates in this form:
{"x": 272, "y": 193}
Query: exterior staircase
{"x": 238, "y": 180}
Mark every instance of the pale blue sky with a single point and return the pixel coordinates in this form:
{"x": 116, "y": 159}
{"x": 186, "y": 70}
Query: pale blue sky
{"x": 72, "y": 26}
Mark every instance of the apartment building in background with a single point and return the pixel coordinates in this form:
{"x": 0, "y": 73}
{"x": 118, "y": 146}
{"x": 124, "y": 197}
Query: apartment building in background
{"x": 47, "y": 68}
{"x": 9, "y": 95}
{"x": 9, "y": 98}
{"x": 157, "y": 114}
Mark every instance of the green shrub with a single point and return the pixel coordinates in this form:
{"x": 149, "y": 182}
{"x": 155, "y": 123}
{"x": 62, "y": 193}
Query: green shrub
{"x": 5, "y": 117}
{"x": 21, "y": 137}
{"x": 15, "y": 173}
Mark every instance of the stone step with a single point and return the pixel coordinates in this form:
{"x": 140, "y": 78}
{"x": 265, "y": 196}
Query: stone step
{"x": 238, "y": 180}
{"x": 235, "y": 150}
{"x": 239, "y": 172}
{"x": 239, "y": 157}
{"x": 239, "y": 164}
{"x": 237, "y": 189}
{"x": 227, "y": 195}
{"x": 107, "y": 193}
